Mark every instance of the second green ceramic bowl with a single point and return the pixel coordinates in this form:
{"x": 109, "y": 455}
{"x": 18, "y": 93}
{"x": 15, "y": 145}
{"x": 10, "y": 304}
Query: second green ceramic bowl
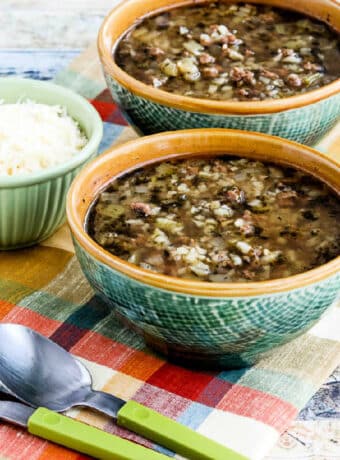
{"x": 305, "y": 118}
{"x": 33, "y": 205}
{"x": 226, "y": 324}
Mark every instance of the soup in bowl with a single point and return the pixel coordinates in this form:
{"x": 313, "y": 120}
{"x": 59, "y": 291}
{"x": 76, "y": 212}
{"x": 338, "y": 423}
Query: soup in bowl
{"x": 202, "y": 273}
{"x": 231, "y": 51}
{"x": 270, "y": 66}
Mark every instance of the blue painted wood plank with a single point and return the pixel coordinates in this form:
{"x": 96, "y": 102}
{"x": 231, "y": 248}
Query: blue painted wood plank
{"x": 35, "y": 63}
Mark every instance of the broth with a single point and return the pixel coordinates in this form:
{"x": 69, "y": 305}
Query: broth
{"x": 226, "y": 51}
{"x": 221, "y": 219}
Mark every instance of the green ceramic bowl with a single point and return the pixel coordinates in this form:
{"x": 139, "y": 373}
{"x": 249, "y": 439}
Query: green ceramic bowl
{"x": 33, "y": 206}
{"x": 228, "y": 324}
{"x": 305, "y": 118}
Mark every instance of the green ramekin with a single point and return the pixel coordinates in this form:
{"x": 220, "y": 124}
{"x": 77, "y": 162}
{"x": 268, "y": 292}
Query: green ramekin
{"x": 33, "y": 205}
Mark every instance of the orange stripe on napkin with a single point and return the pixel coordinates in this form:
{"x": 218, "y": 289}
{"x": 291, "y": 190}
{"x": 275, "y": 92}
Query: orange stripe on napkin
{"x": 33, "y": 267}
{"x": 140, "y": 365}
{"x": 123, "y": 386}
{"x": 59, "y": 453}
{"x": 5, "y": 308}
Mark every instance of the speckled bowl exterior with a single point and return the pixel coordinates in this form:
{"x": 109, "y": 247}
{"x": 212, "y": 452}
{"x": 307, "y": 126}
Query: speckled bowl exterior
{"x": 305, "y": 118}
{"x": 232, "y": 332}
{"x": 33, "y": 206}
{"x": 208, "y": 324}
{"x": 306, "y": 124}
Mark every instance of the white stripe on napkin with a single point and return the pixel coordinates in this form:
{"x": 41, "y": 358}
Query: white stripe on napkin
{"x": 242, "y": 434}
{"x": 329, "y": 326}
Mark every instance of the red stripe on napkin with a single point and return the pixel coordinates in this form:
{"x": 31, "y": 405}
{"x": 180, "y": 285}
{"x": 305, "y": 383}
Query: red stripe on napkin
{"x": 259, "y": 406}
{"x": 102, "y": 350}
{"x": 181, "y": 381}
{"x": 29, "y": 318}
{"x": 109, "y": 112}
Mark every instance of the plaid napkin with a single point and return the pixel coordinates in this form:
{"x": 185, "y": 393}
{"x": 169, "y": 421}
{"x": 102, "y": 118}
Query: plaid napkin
{"x": 44, "y": 288}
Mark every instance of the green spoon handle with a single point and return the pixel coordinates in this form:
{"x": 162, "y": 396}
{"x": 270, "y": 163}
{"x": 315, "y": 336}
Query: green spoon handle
{"x": 86, "y": 439}
{"x": 172, "y": 435}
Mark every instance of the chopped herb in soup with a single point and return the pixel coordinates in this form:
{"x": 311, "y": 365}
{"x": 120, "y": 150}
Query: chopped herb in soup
{"x": 231, "y": 51}
{"x": 218, "y": 219}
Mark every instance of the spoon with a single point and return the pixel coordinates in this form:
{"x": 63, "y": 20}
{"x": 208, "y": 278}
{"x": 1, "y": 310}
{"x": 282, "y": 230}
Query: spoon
{"x": 40, "y": 373}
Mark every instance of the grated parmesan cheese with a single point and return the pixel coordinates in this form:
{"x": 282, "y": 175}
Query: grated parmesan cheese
{"x": 36, "y": 136}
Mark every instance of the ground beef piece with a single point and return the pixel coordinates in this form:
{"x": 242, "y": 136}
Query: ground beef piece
{"x": 205, "y": 40}
{"x": 242, "y": 75}
{"x": 162, "y": 22}
{"x": 257, "y": 253}
{"x": 247, "y": 215}
{"x": 287, "y": 52}
{"x": 236, "y": 196}
{"x": 228, "y": 39}
{"x": 294, "y": 80}
{"x": 206, "y": 58}
{"x": 249, "y": 53}
{"x": 184, "y": 239}
{"x": 249, "y": 275}
{"x": 248, "y": 229}
{"x": 237, "y": 74}
{"x": 141, "y": 209}
{"x": 283, "y": 72}
{"x": 268, "y": 18}
{"x": 210, "y": 72}
{"x": 244, "y": 92}
{"x": 268, "y": 74}
{"x": 286, "y": 198}
{"x": 222, "y": 259}
{"x": 155, "y": 51}
{"x": 313, "y": 67}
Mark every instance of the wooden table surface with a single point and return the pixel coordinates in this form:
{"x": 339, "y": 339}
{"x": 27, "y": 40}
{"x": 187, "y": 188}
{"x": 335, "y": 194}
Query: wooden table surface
{"x": 40, "y": 37}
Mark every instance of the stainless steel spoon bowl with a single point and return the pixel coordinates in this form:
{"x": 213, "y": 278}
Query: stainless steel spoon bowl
{"x": 40, "y": 373}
